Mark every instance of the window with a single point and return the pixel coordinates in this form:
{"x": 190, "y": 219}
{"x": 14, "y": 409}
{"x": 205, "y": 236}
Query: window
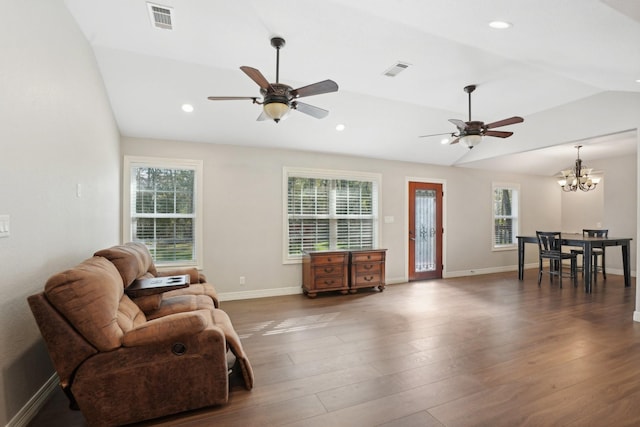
{"x": 329, "y": 210}
{"x": 505, "y": 216}
{"x": 162, "y": 208}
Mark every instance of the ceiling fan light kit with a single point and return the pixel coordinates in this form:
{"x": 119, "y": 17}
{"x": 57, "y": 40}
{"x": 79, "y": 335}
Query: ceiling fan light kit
{"x": 472, "y": 132}
{"x": 578, "y": 178}
{"x": 278, "y": 98}
{"x": 470, "y": 141}
{"x": 276, "y": 110}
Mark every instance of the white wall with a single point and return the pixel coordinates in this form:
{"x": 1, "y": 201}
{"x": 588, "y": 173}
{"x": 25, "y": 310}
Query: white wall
{"x": 583, "y": 210}
{"x": 612, "y": 205}
{"x": 57, "y": 132}
{"x": 620, "y": 206}
{"x": 243, "y": 211}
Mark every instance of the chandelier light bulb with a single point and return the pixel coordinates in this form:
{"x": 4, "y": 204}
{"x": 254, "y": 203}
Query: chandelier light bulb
{"x": 578, "y": 178}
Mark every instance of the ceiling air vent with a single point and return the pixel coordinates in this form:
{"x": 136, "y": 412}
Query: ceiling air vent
{"x": 396, "y": 69}
{"x": 161, "y": 16}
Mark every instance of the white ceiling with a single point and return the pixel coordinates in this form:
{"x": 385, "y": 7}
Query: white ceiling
{"x": 556, "y": 53}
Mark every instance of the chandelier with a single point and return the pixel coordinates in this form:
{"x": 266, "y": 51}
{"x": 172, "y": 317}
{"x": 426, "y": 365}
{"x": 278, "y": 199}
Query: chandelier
{"x": 578, "y": 178}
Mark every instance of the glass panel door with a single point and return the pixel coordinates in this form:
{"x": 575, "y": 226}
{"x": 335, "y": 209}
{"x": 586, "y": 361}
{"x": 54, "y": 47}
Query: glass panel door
{"x": 425, "y": 231}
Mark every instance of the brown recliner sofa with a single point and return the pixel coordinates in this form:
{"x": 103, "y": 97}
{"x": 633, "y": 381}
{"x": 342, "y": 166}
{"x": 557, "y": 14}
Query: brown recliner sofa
{"x": 134, "y": 261}
{"x": 121, "y": 367}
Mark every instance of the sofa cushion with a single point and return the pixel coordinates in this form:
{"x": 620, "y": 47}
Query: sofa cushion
{"x": 88, "y": 296}
{"x": 132, "y": 260}
{"x": 148, "y": 303}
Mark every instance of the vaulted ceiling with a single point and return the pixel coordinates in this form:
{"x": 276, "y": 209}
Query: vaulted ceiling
{"x": 557, "y": 56}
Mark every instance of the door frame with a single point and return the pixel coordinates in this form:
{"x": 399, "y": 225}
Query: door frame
{"x": 442, "y": 182}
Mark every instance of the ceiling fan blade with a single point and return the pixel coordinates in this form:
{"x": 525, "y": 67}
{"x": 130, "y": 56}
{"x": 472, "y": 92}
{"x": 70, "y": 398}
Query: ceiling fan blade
{"x": 437, "y": 134}
{"x": 459, "y": 124}
{"x": 257, "y": 77}
{"x": 232, "y": 98}
{"x": 455, "y": 141}
{"x": 497, "y": 133}
{"x": 505, "y": 122}
{"x": 324, "y": 86}
{"x": 316, "y": 112}
{"x": 263, "y": 116}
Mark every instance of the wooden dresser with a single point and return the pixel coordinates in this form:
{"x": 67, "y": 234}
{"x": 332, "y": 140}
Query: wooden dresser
{"x": 342, "y": 270}
{"x": 325, "y": 271}
{"x": 367, "y": 269}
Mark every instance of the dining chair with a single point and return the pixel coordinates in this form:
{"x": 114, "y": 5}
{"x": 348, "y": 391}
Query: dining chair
{"x": 596, "y": 252}
{"x": 550, "y": 247}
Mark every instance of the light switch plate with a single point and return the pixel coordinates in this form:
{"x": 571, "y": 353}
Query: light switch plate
{"x": 4, "y": 225}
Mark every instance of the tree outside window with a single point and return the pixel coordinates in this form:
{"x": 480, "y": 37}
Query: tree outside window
{"x": 163, "y": 209}
{"x": 505, "y": 216}
{"x": 327, "y": 213}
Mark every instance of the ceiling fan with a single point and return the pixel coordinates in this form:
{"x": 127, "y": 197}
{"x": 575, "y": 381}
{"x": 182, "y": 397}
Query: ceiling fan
{"x": 278, "y": 98}
{"x": 471, "y": 133}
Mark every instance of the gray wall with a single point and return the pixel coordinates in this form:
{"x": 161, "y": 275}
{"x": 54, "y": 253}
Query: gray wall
{"x": 613, "y": 205}
{"x": 57, "y": 132}
{"x": 242, "y": 182}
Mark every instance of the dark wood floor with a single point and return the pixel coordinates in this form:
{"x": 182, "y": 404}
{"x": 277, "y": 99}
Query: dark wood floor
{"x": 475, "y": 351}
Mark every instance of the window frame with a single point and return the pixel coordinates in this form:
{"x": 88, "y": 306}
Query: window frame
{"x": 165, "y": 163}
{"x": 329, "y": 174}
{"x": 515, "y": 229}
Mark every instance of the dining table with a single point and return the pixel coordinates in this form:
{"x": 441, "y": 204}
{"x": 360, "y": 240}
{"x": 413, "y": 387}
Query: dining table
{"x": 587, "y": 244}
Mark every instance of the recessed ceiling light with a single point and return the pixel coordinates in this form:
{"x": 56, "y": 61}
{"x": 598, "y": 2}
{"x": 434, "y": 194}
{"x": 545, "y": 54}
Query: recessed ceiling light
{"x": 444, "y": 141}
{"x": 187, "y": 108}
{"x": 637, "y": 80}
{"x": 500, "y": 25}
{"x": 340, "y": 127}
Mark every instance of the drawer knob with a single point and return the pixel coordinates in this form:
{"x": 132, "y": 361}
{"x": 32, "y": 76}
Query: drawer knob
{"x": 328, "y": 269}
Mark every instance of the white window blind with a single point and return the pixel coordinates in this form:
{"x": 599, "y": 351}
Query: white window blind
{"x": 162, "y": 209}
{"x": 505, "y": 215}
{"x": 325, "y": 210}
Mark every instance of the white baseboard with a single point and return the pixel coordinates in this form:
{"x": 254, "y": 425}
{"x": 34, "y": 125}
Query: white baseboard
{"x": 274, "y": 292}
{"x": 33, "y": 406}
{"x": 260, "y": 293}
{"x": 490, "y": 270}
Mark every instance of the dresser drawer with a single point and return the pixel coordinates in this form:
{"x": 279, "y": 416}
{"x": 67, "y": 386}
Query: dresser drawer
{"x": 330, "y": 282}
{"x": 357, "y": 257}
{"x": 367, "y": 268}
{"x": 372, "y": 279}
{"x": 334, "y": 258}
{"x": 328, "y": 269}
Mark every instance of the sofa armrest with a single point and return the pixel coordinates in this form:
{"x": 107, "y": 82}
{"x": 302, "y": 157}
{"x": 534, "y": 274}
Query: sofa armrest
{"x": 168, "y": 328}
{"x": 194, "y": 274}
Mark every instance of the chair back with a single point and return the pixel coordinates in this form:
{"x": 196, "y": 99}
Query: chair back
{"x": 549, "y": 241}
{"x": 600, "y": 232}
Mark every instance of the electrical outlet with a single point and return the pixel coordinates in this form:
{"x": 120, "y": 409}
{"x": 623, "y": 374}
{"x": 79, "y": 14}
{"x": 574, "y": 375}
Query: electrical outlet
{"x": 242, "y": 281}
